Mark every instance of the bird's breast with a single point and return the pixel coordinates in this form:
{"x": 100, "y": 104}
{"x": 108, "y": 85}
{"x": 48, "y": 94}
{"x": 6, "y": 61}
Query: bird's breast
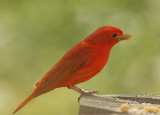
{"x": 96, "y": 62}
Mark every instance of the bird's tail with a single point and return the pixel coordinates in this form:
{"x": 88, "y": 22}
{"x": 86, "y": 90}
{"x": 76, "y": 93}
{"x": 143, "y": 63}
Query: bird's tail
{"x": 25, "y": 102}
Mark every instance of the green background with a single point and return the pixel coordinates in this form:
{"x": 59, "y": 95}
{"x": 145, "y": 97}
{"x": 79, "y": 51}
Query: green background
{"x": 35, "y": 34}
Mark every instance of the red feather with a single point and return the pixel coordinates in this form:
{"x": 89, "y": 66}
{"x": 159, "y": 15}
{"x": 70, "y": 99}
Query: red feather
{"x": 80, "y": 63}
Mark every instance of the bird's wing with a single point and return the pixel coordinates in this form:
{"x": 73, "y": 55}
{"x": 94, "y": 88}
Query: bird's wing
{"x": 61, "y": 72}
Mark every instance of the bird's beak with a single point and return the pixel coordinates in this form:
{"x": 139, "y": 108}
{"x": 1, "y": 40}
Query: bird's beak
{"x": 125, "y": 37}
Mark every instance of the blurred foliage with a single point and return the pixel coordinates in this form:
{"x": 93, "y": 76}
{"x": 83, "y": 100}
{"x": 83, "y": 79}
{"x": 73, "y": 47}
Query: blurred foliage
{"x": 34, "y": 35}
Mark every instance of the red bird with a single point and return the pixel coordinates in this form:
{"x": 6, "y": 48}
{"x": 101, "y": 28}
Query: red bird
{"x": 80, "y": 63}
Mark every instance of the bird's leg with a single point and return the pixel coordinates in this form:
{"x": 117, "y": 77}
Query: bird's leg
{"x": 83, "y": 92}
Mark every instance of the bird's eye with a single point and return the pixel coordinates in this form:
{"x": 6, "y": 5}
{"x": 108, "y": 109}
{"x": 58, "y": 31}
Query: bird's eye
{"x": 114, "y": 35}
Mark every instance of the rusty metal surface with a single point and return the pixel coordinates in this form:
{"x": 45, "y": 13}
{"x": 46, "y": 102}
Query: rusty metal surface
{"x": 111, "y": 104}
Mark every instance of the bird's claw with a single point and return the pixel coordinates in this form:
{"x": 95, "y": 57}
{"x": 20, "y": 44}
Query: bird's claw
{"x": 90, "y": 92}
{"x": 87, "y": 93}
{"x": 79, "y": 98}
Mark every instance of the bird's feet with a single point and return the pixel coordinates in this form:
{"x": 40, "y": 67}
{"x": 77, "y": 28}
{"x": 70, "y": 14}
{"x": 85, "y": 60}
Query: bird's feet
{"x": 83, "y": 92}
{"x": 87, "y": 93}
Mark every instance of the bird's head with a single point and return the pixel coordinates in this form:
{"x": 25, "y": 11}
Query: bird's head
{"x": 107, "y": 36}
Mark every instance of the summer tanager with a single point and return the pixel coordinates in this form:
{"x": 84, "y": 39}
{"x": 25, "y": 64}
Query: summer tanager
{"x": 80, "y": 63}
